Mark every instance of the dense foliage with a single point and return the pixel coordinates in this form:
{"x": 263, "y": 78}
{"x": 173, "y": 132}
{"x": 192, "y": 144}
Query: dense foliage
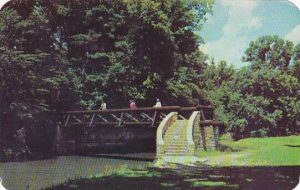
{"x": 62, "y": 55}
{"x": 262, "y": 99}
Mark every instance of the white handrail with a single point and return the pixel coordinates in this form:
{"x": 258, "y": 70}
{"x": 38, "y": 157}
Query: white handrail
{"x": 190, "y": 128}
{"x": 164, "y": 124}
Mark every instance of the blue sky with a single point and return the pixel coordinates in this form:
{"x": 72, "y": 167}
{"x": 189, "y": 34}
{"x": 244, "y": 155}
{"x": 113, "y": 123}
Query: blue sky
{"x": 235, "y": 23}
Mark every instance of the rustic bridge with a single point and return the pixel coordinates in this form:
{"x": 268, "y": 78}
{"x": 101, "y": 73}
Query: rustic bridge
{"x": 147, "y": 117}
{"x": 180, "y": 131}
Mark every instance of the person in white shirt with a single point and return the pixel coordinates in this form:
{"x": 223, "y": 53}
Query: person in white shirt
{"x": 158, "y": 104}
{"x": 103, "y": 106}
{"x": 1, "y": 186}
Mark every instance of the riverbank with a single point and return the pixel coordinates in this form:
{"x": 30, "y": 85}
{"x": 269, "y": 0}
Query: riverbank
{"x": 45, "y": 173}
{"x": 254, "y": 163}
{"x": 192, "y": 178}
{"x": 245, "y": 164}
{"x": 271, "y": 151}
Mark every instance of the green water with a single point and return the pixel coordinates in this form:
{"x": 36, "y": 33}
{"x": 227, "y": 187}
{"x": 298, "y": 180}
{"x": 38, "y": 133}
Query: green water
{"x": 44, "y": 173}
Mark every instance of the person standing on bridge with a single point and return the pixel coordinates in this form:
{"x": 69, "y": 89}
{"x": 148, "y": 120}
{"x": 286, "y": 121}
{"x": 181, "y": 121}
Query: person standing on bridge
{"x": 103, "y": 106}
{"x": 158, "y": 104}
{"x": 132, "y": 104}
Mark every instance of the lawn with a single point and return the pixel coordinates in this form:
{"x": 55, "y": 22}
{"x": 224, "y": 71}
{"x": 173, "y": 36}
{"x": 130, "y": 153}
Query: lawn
{"x": 271, "y": 151}
{"x": 263, "y": 154}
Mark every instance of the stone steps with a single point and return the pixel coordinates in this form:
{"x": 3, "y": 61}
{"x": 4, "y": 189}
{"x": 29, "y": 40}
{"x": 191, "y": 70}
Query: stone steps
{"x": 176, "y": 150}
{"x": 178, "y": 153}
{"x": 175, "y": 139}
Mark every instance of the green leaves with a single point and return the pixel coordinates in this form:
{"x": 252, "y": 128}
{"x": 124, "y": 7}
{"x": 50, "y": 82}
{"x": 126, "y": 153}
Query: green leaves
{"x": 62, "y": 55}
{"x": 261, "y": 99}
{"x": 269, "y": 52}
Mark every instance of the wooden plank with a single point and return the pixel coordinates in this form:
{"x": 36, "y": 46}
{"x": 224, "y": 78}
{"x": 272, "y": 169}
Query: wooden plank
{"x": 146, "y": 116}
{"x": 92, "y": 120}
{"x": 102, "y": 118}
{"x": 164, "y": 108}
{"x": 114, "y": 116}
{"x": 121, "y": 119}
{"x": 67, "y": 121}
{"x": 154, "y": 118}
{"x": 211, "y": 122}
{"x": 164, "y": 115}
{"x": 131, "y": 117}
{"x": 78, "y": 120}
{"x": 181, "y": 117}
{"x": 202, "y": 115}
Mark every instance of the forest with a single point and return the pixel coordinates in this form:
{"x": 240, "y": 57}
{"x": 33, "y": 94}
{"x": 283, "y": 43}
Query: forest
{"x": 64, "y": 55}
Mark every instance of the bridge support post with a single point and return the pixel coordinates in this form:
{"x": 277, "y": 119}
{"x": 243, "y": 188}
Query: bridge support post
{"x": 215, "y": 136}
{"x": 202, "y": 138}
{"x": 77, "y": 140}
{"x": 154, "y": 118}
{"x": 58, "y": 143}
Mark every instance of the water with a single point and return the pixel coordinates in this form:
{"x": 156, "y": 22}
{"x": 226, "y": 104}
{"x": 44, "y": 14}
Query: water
{"x": 44, "y": 173}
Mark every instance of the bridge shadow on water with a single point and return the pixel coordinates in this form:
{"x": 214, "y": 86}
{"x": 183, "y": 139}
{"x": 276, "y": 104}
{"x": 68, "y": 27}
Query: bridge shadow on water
{"x": 141, "y": 151}
{"x": 204, "y": 178}
{"x": 147, "y": 157}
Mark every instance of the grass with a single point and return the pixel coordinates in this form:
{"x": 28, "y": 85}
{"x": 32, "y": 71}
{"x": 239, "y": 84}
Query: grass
{"x": 208, "y": 183}
{"x": 271, "y": 151}
{"x": 124, "y": 171}
{"x": 44, "y": 173}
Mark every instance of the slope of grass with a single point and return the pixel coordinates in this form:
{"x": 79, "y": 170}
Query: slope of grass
{"x": 272, "y": 151}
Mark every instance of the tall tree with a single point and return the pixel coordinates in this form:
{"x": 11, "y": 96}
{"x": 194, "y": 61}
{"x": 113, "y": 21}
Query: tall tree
{"x": 269, "y": 52}
{"x": 263, "y": 98}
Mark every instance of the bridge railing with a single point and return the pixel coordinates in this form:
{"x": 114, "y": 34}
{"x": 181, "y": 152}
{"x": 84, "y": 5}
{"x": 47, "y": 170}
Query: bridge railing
{"x": 147, "y": 116}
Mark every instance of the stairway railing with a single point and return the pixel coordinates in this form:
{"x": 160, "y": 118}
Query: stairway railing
{"x": 194, "y": 120}
{"x": 161, "y": 130}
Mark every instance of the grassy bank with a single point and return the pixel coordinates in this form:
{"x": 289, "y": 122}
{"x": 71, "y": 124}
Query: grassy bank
{"x": 45, "y": 173}
{"x": 272, "y": 151}
{"x": 182, "y": 178}
{"x": 264, "y": 153}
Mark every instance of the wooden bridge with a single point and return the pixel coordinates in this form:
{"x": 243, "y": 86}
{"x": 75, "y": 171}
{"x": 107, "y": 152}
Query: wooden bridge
{"x": 180, "y": 131}
{"x": 147, "y": 117}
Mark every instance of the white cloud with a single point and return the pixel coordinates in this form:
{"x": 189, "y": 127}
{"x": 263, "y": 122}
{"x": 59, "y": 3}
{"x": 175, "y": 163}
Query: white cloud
{"x": 296, "y": 3}
{"x": 232, "y": 44}
{"x": 294, "y": 35}
{"x": 3, "y": 2}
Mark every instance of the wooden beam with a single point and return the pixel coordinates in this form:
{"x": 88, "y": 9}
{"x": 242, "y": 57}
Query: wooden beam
{"x": 131, "y": 117}
{"x": 67, "y": 121}
{"x": 146, "y": 116}
{"x": 102, "y": 118}
{"x": 114, "y": 116}
{"x": 154, "y": 118}
{"x": 121, "y": 119}
{"x": 92, "y": 120}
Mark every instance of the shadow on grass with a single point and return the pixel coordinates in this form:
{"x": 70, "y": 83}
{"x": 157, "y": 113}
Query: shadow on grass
{"x": 204, "y": 178}
{"x": 292, "y": 146}
{"x": 135, "y": 157}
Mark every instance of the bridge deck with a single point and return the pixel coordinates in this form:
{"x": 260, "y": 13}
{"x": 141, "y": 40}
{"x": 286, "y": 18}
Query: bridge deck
{"x": 148, "y": 116}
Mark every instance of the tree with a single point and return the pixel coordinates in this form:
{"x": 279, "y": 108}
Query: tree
{"x": 261, "y": 99}
{"x": 60, "y": 55}
{"x": 269, "y": 52}
{"x": 34, "y": 77}
{"x": 121, "y": 50}
{"x": 295, "y": 67}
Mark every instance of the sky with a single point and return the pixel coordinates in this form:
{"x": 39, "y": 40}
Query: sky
{"x": 235, "y": 23}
